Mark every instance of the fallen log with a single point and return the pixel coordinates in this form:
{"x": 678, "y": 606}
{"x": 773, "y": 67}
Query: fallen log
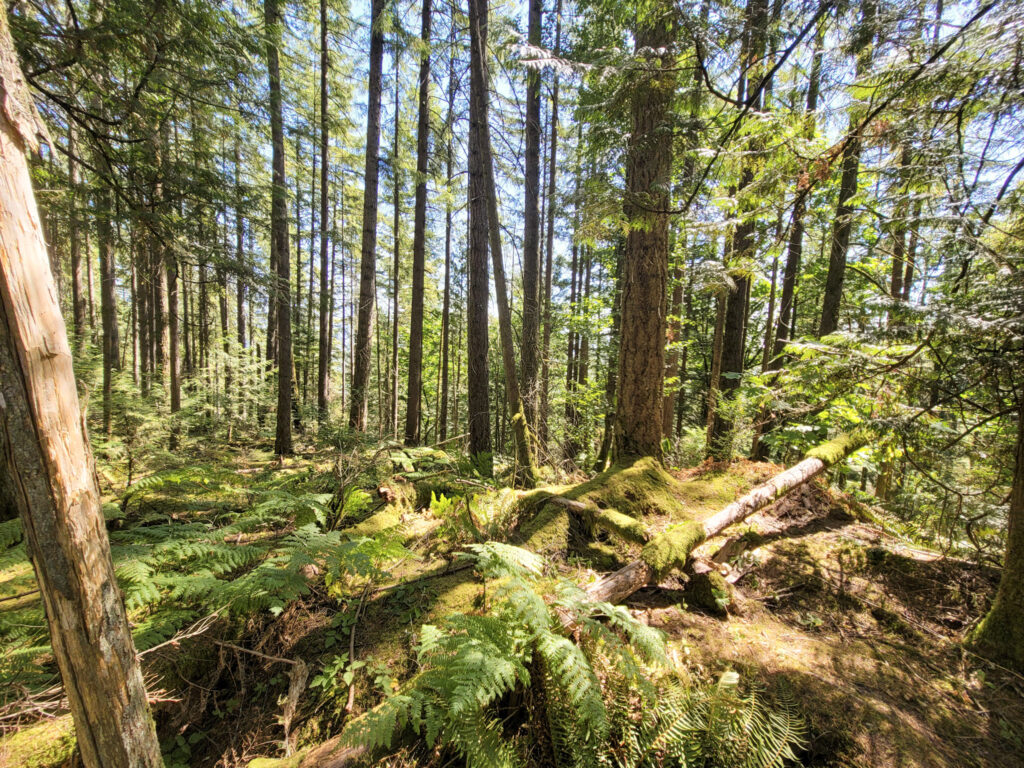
{"x": 671, "y": 549}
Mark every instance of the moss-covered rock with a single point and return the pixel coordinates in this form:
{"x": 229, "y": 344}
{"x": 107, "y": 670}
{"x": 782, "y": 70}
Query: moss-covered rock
{"x": 710, "y": 592}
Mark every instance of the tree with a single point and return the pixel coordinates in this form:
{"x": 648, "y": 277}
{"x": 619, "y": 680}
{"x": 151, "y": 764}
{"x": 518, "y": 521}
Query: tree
{"x": 358, "y": 402}
{"x": 326, "y": 296}
{"x": 645, "y": 261}
{"x": 49, "y": 465}
{"x": 279, "y": 235}
{"x": 419, "y": 240}
{"x": 531, "y": 230}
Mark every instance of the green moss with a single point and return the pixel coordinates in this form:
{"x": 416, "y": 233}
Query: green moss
{"x": 278, "y": 762}
{"x": 999, "y": 637}
{"x": 45, "y": 744}
{"x": 670, "y": 549}
{"x": 636, "y": 487}
{"x": 623, "y": 526}
{"x": 389, "y": 517}
{"x": 601, "y": 556}
{"x": 546, "y": 532}
{"x": 839, "y": 447}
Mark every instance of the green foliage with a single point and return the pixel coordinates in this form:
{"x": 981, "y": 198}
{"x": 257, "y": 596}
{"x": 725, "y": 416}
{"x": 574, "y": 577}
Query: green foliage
{"x": 598, "y": 667}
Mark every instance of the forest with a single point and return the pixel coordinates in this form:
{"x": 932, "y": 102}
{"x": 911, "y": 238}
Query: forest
{"x": 512, "y": 384}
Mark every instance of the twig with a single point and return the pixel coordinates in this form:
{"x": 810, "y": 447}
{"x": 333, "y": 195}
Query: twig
{"x": 239, "y": 648}
{"x": 196, "y": 629}
{"x": 352, "y": 650}
{"x": 450, "y": 440}
{"x": 19, "y": 596}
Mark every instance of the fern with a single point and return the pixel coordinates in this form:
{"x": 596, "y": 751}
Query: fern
{"x": 607, "y": 698}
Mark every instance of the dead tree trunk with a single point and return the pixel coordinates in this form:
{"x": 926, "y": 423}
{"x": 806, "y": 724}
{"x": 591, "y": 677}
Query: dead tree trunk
{"x": 670, "y": 550}
{"x": 48, "y": 466}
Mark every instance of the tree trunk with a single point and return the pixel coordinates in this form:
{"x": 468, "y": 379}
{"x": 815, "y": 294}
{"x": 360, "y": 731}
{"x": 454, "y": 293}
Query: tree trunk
{"x": 531, "y": 229}
{"x": 545, "y": 375}
{"x": 442, "y": 423}
{"x": 645, "y": 267}
{"x": 526, "y": 467}
{"x": 478, "y": 373}
{"x": 108, "y": 299}
{"x": 279, "y": 234}
{"x": 671, "y": 549}
{"x": 843, "y": 222}
{"x": 326, "y": 300}
{"x": 358, "y": 403}
{"x": 396, "y": 213}
{"x": 1001, "y": 632}
{"x": 48, "y": 465}
{"x": 78, "y": 306}
{"x": 604, "y": 453}
{"x": 415, "y": 378}
{"x": 668, "y": 407}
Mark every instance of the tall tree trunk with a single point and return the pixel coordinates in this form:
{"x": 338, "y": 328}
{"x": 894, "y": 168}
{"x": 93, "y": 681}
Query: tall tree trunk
{"x": 604, "y": 453}
{"x": 526, "y": 469}
{"x": 108, "y": 299}
{"x": 545, "y": 374}
{"x": 419, "y": 241}
{"x": 368, "y": 257}
{"x": 442, "y": 425}
{"x": 908, "y": 275}
{"x": 531, "y": 229}
{"x": 843, "y": 222}
{"x": 48, "y": 467}
{"x": 78, "y": 305}
{"x": 743, "y": 244}
{"x": 478, "y": 373}
{"x": 645, "y": 266}
{"x": 1001, "y": 632}
{"x": 279, "y": 234}
{"x": 668, "y": 406}
{"x": 396, "y": 213}
{"x": 326, "y": 299}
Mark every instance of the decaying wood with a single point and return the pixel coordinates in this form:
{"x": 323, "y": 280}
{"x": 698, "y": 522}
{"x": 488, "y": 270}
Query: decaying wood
{"x": 47, "y": 465}
{"x": 671, "y": 549}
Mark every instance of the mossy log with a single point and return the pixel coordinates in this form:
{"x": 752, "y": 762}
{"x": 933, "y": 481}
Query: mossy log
{"x": 669, "y": 550}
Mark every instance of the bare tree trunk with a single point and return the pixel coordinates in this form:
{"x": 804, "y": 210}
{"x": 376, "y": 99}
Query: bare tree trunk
{"x": 396, "y": 213}
{"x": 78, "y": 306}
{"x": 531, "y": 229}
{"x": 604, "y": 453}
{"x": 279, "y": 234}
{"x": 545, "y": 375}
{"x": 645, "y": 266}
{"x": 478, "y": 373}
{"x": 668, "y": 407}
{"x": 326, "y": 299}
{"x": 368, "y": 262}
{"x": 442, "y": 425}
{"x": 526, "y": 467}
{"x": 48, "y": 466}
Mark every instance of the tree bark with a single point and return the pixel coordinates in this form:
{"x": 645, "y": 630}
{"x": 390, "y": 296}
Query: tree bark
{"x": 358, "y": 401}
{"x": 1001, "y": 632}
{"x": 413, "y": 399}
{"x": 478, "y": 373}
{"x": 843, "y": 222}
{"x": 78, "y": 306}
{"x": 279, "y": 234}
{"x": 326, "y": 300}
{"x": 48, "y": 467}
{"x": 645, "y": 266}
{"x": 442, "y": 423}
{"x": 526, "y": 470}
{"x": 531, "y": 229}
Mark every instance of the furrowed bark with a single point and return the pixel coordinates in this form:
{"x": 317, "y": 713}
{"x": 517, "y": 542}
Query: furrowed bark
{"x": 47, "y": 466}
{"x": 671, "y": 549}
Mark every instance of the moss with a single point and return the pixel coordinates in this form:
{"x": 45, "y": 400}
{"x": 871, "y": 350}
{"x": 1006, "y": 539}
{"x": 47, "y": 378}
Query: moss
{"x": 623, "y": 526}
{"x": 636, "y": 487}
{"x": 671, "y": 548}
{"x": 546, "y": 532}
{"x": 999, "y": 637}
{"x": 601, "y": 556}
{"x": 710, "y": 592}
{"x": 839, "y": 447}
{"x": 277, "y": 762}
{"x": 389, "y": 517}
{"x": 437, "y": 486}
{"x": 47, "y": 743}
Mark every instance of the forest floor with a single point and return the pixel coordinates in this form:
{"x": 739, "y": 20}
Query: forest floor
{"x": 859, "y": 629}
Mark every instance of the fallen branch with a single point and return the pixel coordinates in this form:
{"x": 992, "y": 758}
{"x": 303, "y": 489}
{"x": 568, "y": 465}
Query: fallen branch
{"x": 671, "y": 549}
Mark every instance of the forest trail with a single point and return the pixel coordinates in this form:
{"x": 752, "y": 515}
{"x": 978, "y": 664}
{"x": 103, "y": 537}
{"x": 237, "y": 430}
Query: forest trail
{"x": 858, "y": 627}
